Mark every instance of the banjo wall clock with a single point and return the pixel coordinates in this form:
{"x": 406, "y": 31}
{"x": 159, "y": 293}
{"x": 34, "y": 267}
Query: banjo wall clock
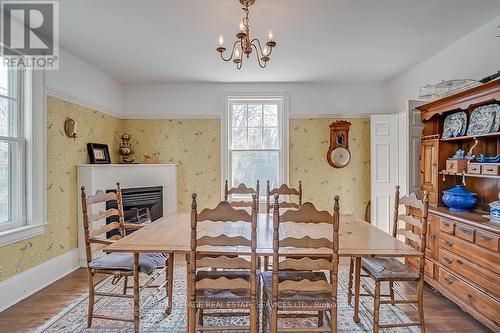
{"x": 338, "y": 155}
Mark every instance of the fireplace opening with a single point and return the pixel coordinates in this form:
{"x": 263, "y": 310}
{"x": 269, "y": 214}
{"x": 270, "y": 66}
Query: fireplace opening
{"x": 140, "y": 205}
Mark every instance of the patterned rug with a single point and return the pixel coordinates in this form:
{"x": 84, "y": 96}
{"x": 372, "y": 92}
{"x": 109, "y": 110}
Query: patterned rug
{"x": 153, "y": 318}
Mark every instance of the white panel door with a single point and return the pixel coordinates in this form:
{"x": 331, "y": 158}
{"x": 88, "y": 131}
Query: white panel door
{"x": 384, "y": 168}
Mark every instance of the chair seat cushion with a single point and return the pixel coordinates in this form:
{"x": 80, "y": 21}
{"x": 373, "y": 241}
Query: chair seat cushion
{"x": 388, "y": 269}
{"x": 303, "y": 299}
{"x": 148, "y": 262}
{"x": 223, "y": 299}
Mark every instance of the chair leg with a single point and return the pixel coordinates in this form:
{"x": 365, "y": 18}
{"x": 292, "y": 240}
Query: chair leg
{"x": 264, "y": 313}
{"x": 90, "y": 313}
{"x": 376, "y": 307}
{"x": 274, "y": 317}
{"x": 391, "y": 291}
{"x": 169, "y": 276}
{"x": 266, "y": 263}
{"x": 125, "y": 285}
{"x": 357, "y": 282}
{"x": 136, "y": 293}
{"x": 333, "y": 319}
{"x": 321, "y": 316}
{"x": 420, "y": 291}
{"x": 200, "y": 318}
{"x": 351, "y": 271}
{"x": 254, "y": 320}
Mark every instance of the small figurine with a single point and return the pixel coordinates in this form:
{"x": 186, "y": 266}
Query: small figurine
{"x": 149, "y": 158}
{"x": 125, "y": 149}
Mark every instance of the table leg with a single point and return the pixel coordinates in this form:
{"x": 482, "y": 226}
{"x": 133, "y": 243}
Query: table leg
{"x": 357, "y": 282}
{"x": 136, "y": 293}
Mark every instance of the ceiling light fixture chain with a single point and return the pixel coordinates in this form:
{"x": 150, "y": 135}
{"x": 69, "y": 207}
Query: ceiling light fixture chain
{"x": 244, "y": 45}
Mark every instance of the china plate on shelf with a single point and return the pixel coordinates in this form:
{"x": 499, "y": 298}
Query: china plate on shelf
{"x": 455, "y": 123}
{"x": 483, "y": 121}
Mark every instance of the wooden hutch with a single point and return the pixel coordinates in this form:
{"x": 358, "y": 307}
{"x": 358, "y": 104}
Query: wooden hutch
{"x": 462, "y": 258}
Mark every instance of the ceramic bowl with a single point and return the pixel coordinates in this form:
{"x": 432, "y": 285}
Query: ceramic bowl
{"x": 459, "y": 199}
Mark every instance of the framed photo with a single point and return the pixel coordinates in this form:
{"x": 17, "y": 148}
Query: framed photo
{"x": 98, "y": 153}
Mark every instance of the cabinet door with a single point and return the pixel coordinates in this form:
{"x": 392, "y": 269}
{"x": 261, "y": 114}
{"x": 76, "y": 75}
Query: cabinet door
{"x": 429, "y": 165}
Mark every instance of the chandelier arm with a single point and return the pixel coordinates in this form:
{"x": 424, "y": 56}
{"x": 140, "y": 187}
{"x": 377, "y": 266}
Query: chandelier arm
{"x": 257, "y": 56}
{"x": 232, "y": 52}
{"x": 260, "y": 47}
{"x": 240, "y": 64}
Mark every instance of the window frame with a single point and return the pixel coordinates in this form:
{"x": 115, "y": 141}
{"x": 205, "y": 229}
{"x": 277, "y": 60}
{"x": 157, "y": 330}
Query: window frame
{"x": 32, "y": 137}
{"x": 226, "y": 128}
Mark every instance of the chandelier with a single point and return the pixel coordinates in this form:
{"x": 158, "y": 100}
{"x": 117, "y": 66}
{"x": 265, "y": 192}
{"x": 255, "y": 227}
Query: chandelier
{"x": 244, "y": 45}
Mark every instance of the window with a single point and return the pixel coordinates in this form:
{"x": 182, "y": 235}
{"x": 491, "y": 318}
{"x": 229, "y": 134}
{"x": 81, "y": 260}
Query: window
{"x": 22, "y": 154}
{"x": 255, "y": 140}
{"x": 11, "y": 150}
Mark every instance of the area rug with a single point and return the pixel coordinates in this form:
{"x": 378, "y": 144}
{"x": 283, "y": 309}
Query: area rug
{"x": 153, "y": 318}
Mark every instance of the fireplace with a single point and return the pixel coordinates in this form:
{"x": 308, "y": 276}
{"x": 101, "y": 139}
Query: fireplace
{"x": 140, "y": 205}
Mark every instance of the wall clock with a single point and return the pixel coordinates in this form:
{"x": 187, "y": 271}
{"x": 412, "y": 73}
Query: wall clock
{"x": 338, "y": 155}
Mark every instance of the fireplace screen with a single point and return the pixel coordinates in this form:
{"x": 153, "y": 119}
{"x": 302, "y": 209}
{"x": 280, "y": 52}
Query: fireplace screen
{"x": 140, "y": 205}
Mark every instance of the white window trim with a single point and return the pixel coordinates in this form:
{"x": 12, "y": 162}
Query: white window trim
{"x": 284, "y": 140}
{"x": 35, "y": 164}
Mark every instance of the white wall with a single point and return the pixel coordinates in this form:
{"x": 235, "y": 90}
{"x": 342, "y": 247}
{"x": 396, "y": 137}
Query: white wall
{"x": 189, "y": 100}
{"x": 82, "y": 83}
{"x": 472, "y": 57}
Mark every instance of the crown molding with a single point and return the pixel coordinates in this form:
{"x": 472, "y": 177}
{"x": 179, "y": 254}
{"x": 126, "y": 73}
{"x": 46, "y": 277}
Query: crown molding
{"x": 81, "y": 101}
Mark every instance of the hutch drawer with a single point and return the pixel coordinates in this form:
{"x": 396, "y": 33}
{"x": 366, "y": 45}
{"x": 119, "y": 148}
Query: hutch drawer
{"x": 474, "y": 168}
{"x": 447, "y": 226}
{"x": 476, "y": 254}
{"x": 479, "y": 301}
{"x": 464, "y": 232}
{"x": 472, "y": 272}
{"x": 490, "y": 169}
{"x": 487, "y": 240}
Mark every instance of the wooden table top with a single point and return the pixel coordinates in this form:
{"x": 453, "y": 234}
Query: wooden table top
{"x": 172, "y": 234}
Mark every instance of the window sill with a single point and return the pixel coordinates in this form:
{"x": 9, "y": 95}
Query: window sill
{"x": 18, "y": 234}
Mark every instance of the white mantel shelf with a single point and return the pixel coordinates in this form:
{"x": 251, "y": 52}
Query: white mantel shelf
{"x": 102, "y": 177}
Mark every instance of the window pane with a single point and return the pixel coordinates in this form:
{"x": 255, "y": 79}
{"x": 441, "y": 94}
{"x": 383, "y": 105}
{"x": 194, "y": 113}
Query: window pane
{"x": 239, "y": 138}
{"x": 254, "y": 115}
{"x": 7, "y": 117}
{"x": 255, "y": 138}
{"x": 10, "y": 192}
{"x": 270, "y": 115}
{"x": 250, "y": 166}
{"x": 271, "y": 137}
{"x": 239, "y": 115}
{"x": 8, "y": 81}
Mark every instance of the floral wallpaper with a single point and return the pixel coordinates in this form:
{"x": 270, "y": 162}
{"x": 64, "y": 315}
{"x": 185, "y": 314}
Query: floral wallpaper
{"x": 194, "y": 144}
{"x": 309, "y": 142}
{"x": 63, "y": 154}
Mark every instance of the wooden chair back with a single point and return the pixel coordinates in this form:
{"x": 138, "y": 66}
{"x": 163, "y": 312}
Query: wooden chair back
{"x": 284, "y": 189}
{"x": 241, "y": 189}
{"x": 94, "y": 241}
{"x": 413, "y": 224}
{"x": 308, "y": 214}
{"x": 202, "y": 256}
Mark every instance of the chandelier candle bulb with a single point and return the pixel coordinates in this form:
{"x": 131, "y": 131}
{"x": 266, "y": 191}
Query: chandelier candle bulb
{"x": 245, "y": 44}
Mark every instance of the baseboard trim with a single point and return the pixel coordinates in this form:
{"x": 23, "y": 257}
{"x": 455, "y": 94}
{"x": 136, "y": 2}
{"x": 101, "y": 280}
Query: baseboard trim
{"x": 22, "y": 285}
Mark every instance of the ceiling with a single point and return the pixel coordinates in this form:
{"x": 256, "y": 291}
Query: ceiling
{"x": 318, "y": 40}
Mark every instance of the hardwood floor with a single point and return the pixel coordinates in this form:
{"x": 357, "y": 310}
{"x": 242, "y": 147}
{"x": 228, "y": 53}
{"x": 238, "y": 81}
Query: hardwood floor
{"x": 440, "y": 314}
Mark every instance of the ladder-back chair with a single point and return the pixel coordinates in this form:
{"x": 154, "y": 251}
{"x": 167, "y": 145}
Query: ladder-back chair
{"x": 117, "y": 265}
{"x": 297, "y": 287}
{"x": 236, "y": 286}
{"x": 285, "y": 190}
{"x": 414, "y": 229}
{"x": 242, "y": 189}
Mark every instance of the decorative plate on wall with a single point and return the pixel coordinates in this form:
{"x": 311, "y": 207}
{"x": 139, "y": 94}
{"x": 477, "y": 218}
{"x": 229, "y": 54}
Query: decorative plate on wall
{"x": 482, "y": 121}
{"x": 455, "y": 124}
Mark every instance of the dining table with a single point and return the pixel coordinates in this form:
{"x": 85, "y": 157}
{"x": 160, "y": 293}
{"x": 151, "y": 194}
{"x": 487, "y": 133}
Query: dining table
{"x": 172, "y": 234}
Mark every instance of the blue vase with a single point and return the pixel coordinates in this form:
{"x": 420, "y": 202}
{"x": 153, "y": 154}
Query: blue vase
{"x": 459, "y": 199}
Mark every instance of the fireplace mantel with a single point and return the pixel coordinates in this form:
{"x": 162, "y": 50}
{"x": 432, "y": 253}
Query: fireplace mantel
{"x": 105, "y": 176}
